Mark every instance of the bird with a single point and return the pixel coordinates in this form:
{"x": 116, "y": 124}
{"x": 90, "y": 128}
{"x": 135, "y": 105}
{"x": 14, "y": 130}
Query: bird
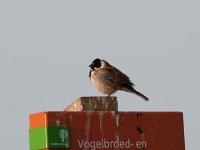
{"x": 108, "y": 79}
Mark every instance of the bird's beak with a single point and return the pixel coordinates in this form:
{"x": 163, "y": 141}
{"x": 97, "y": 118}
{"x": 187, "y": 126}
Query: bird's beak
{"x": 91, "y": 65}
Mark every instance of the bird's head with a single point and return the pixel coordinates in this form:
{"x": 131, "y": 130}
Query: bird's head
{"x": 98, "y": 63}
{"x": 95, "y": 64}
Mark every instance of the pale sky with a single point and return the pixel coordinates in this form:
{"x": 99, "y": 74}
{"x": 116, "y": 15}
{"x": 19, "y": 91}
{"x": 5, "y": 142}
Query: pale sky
{"x": 46, "y": 47}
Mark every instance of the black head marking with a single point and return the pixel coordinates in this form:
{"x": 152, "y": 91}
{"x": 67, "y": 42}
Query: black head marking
{"x": 96, "y": 63}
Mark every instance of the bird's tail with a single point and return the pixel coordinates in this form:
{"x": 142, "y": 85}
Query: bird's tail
{"x": 140, "y": 95}
{"x": 129, "y": 88}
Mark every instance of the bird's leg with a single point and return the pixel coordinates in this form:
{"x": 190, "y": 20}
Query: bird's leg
{"x": 108, "y": 95}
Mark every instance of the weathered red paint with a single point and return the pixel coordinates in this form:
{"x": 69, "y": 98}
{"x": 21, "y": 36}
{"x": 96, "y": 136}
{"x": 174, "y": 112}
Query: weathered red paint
{"x": 146, "y": 130}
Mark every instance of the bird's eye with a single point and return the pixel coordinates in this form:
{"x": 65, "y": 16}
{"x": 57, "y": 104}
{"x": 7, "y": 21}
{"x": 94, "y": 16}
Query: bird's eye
{"x": 96, "y": 63}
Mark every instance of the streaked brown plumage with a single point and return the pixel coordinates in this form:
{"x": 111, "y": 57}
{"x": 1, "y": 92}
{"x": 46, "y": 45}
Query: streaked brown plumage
{"x": 108, "y": 79}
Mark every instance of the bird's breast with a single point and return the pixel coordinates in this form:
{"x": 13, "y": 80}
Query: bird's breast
{"x": 100, "y": 84}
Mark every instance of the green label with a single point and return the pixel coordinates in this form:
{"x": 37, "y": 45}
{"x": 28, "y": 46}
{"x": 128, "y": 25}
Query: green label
{"x": 58, "y": 137}
{"x": 49, "y": 137}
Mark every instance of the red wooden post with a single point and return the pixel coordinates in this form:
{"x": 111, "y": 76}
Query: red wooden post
{"x": 109, "y": 130}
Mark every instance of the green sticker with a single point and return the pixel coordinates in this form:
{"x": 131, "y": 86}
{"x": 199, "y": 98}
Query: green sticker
{"x": 49, "y": 137}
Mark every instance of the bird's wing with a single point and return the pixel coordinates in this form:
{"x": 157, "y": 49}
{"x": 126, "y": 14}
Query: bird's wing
{"x": 115, "y": 77}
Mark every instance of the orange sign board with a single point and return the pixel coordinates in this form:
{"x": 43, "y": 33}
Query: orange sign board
{"x": 109, "y": 130}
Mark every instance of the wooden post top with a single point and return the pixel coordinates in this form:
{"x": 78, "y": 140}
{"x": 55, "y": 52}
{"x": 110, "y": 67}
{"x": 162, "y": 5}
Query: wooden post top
{"x": 94, "y": 103}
